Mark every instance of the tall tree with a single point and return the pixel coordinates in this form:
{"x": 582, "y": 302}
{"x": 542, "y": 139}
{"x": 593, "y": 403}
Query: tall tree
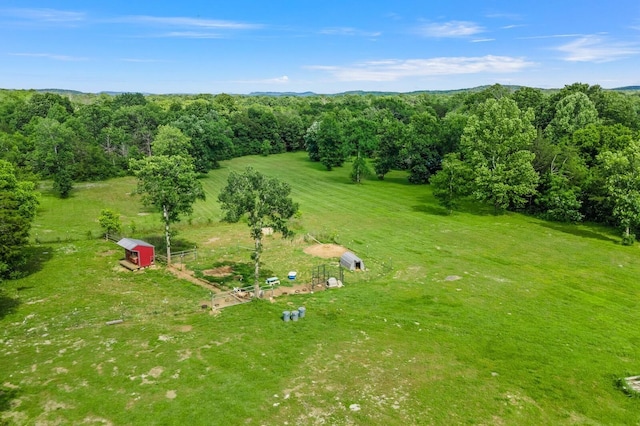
{"x": 264, "y": 201}
{"x": 332, "y": 149}
{"x": 361, "y": 135}
{"x": 621, "y": 170}
{"x": 573, "y": 112}
{"x": 53, "y": 154}
{"x": 210, "y": 139}
{"x": 421, "y": 153}
{"x": 387, "y": 156}
{"x": 18, "y": 204}
{"x": 495, "y": 145}
{"x": 451, "y": 183}
{"x": 171, "y": 185}
{"x": 171, "y": 141}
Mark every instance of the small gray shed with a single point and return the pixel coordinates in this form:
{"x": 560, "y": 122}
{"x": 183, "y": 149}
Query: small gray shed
{"x": 351, "y": 262}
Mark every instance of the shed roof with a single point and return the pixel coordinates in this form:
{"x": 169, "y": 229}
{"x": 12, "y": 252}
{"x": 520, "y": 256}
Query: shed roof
{"x": 350, "y": 257}
{"x": 131, "y": 243}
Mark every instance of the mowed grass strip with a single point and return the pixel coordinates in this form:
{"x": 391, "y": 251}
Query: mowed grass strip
{"x": 468, "y": 318}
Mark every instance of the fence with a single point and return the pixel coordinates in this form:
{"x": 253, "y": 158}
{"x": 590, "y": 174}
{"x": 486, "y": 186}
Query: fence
{"x": 188, "y": 255}
{"x": 239, "y": 295}
{"x": 321, "y": 273}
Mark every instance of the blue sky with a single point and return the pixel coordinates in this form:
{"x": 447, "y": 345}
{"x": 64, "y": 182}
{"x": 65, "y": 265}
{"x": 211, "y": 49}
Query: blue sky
{"x": 331, "y": 46}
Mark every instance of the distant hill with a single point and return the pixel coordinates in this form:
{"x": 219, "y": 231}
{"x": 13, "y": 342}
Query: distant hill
{"x": 301, "y": 94}
{"x": 61, "y": 91}
{"x": 627, "y": 88}
{"x": 512, "y": 88}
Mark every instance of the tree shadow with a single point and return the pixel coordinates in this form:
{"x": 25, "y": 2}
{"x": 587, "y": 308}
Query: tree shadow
{"x": 398, "y": 180}
{"x": 430, "y": 205}
{"x": 430, "y": 209}
{"x": 35, "y": 258}
{"x": 579, "y": 231}
{"x": 8, "y": 305}
{"x": 6, "y": 396}
{"x": 177, "y": 244}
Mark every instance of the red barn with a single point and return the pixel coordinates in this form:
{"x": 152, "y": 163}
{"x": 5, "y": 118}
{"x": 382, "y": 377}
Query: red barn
{"x": 138, "y": 253}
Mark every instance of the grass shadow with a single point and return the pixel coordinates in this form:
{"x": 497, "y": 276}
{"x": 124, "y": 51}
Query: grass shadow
{"x": 579, "y": 231}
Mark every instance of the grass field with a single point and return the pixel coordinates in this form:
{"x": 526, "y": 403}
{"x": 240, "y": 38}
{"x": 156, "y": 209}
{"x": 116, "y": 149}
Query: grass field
{"x": 470, "y": 318}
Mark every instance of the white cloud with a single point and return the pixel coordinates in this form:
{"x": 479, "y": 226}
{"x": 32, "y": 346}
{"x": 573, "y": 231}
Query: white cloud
{"x": 450, "y": 29}
{"x": 395, "y": 69}
{"x": 283, "y": 79}
{"x": 184, "y": 22}
{"x": 550, "y": 36}
{"x": 44, "y": 15}
{"x": 192, "y": 34}
{"x": 597, "y": 49}
{"x": 276, "y": 80}
{"x": 483, "y": 40}
{"x": 348, "y": 31}
{"x": 52, "y": 56}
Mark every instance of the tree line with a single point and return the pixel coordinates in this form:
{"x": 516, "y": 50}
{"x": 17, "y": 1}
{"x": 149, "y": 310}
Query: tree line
{"x": 567, "y": 155}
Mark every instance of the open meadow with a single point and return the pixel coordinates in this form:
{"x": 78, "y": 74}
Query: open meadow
{"x": 469, "y": 318}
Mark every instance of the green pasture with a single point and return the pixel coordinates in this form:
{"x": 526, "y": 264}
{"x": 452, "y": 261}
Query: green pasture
{"x": 469, "y": 318}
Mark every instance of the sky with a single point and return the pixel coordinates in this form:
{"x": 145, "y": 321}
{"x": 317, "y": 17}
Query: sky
{"x": 241, "y": 46}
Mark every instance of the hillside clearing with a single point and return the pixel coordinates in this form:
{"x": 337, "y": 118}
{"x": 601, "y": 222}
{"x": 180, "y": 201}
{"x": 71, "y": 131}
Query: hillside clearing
{"x": 536, "y": 331}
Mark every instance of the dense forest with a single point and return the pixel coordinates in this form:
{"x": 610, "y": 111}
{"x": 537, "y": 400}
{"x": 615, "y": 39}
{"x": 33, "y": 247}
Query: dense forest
{"x": 569, "y": 155}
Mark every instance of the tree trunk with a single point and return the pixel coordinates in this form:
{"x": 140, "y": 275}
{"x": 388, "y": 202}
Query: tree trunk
{"x": 167, "y": 235}
{"x": 256, "y": 275}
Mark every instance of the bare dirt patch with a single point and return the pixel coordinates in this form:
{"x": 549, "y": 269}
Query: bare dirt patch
{"x": 221, "y": 272}
{"x": 155, "y": 372}
{"x": 326, "y": 251}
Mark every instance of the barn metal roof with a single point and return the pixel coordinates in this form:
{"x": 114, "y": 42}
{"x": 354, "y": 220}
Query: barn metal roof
{"x": 350, "y": 257}
{"x": 131, "y": 243}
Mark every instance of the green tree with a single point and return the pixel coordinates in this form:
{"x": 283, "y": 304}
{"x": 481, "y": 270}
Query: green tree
{"x": 18, "y": 204}
{"x": 621, "y": 171}
{"x": 53, "y": 154}
{"x": 360, "y": 169}
{"x": 573, "y": 112}
{"x": 495, "y": 145}
{"x": 171, "y": 141}
{"x": 311, "y": 141}
{"x": 332, "y": 149}
{"x": 450, "y": 184}
{"x": 360, "y": 134}
{"x": 109, "y": 222}
{"x": 210, "y": 139}
{"x": 387, "y": 156}
{"x": 264, "y": 201}
{"x": 558, "y": 199}
{"x": 421, "y": 150}
{"x": 171, "y": 185}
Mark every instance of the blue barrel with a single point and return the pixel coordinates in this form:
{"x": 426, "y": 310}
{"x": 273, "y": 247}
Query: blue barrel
{"x": 294, "y": 315}
{"x": 286, "y": 315}
{"x": 301, "y": 311}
